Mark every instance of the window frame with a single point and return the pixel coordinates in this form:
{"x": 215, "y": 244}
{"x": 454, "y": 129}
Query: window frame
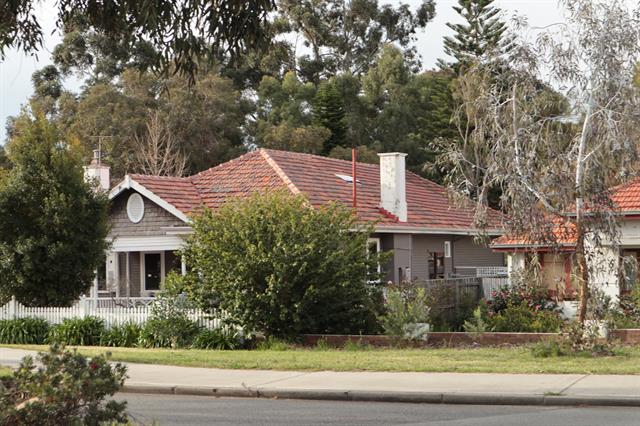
{"x": 143, "y": 264}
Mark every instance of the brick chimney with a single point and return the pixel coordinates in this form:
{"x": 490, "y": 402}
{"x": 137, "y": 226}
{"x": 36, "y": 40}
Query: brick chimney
{"x": 393, "y": 193}
{"x": 97, "y": 172}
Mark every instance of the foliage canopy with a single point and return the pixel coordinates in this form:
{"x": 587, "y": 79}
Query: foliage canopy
{"x": 279, "y": 267}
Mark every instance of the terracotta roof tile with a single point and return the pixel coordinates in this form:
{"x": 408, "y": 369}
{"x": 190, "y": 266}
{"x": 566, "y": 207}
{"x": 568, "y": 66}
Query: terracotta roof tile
{"x": 428, "y": 204}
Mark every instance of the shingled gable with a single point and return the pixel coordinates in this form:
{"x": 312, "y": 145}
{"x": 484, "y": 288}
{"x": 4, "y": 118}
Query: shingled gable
{"x": 319, "y": 179}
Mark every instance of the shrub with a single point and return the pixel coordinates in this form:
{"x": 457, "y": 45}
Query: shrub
{"x": 534, "y": 297}
{"x": 282, "y": 269}
{"x": 25, "y": 331}
{"x": 522, "y": 318}
{"x": 478, "y": 323}
{"x": 168, "y": 333}
{"x": 169, "y": 325}
{"x": 124, "y": 335}
{"x": 67, "y": 389}
{"x": 627, "y": 315}
{"x": 218, "y": 339}
{"x": 406, "y": 309}
{"x": 77, "y": 332}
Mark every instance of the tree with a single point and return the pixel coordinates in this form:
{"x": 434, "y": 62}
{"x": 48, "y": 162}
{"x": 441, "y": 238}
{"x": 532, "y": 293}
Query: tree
{"x": 481, "y": 36}
{"x": 551, "y": 172}
{"x": 279, "y": 267}
{"x": 407, "y": 112}
{"x": 157, "y": 153}
{"x": 346, "y": 36}
{"x": 181, "y": 32}
{"x": 284, "y": 116}
{"x": 205, "y": 118}
{"x": 329, "y": 112}
{"x": 54, "y": 225}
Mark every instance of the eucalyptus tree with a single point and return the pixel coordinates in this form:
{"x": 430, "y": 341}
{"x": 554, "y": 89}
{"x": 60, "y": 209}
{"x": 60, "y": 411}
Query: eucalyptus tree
{"x": 556, "y": 166}
{"x": 181, "y": 33}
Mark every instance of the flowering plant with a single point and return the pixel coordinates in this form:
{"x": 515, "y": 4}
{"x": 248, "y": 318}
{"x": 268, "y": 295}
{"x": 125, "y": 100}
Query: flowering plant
{"x": 534, "y": 297}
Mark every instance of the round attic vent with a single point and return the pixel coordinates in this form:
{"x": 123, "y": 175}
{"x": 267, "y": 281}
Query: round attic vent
{"x": 135, "y": 207}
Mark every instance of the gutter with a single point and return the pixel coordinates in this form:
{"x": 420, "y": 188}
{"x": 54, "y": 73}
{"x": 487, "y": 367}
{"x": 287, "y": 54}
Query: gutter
{"x": 437, "y": 231}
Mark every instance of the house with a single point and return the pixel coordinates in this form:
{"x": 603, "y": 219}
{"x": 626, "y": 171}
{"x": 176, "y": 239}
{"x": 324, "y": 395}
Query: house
{"x": 430, "y": 237}
{"x": 608, "y": 261}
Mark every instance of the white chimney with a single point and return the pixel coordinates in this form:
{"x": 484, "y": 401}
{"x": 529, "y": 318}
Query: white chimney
{"x": 97, "y": 172}
{"x": 393, "y": 194}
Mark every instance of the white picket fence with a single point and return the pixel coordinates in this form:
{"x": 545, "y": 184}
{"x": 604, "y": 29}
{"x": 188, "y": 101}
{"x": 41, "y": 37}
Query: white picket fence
{"x": 111, "y": 315}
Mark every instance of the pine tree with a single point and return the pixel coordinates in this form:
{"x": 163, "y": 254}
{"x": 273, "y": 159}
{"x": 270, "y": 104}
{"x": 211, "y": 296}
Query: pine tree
{"x": 329, "y": 112}
{"x": 481, "y": 34}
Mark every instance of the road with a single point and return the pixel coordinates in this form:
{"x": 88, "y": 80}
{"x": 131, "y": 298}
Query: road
{"x": 192, "y": 410}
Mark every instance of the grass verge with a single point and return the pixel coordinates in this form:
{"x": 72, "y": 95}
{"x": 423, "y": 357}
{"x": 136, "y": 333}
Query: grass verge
{"x": 5, "y": 371}
{"x": 463, "y": 360}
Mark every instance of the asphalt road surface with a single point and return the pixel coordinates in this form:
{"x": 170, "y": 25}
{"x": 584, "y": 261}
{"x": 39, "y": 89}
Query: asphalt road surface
{"x": 193, "y": 410}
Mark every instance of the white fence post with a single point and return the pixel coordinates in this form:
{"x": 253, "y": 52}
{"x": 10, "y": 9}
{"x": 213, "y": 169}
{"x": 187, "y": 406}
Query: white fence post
{"x": 13, "y": 306}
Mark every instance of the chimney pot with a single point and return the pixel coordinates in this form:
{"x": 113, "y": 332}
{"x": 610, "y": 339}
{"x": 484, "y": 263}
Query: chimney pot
{"x": 393, "y": 194}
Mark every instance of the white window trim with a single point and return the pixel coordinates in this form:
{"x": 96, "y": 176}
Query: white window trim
{"x": 447, "y": 249}
{"x": 377, "y": 241}
{"x": 137, "y": 197}
{"x": 143, "y": 281}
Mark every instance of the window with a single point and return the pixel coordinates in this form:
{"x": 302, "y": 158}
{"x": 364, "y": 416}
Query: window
{"x": 629, "y": 269}
{"x": 373, "y": 247}
{"x": 135, "y": 207}
{"x": 435, "y": 265}
{"x": 447, "y": 249}
{"x": 347, "y": 178}
{"x": 152, "y": 271}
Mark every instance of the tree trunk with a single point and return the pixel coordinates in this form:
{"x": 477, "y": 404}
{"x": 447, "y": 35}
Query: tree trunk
{"x": 584, "y": 275}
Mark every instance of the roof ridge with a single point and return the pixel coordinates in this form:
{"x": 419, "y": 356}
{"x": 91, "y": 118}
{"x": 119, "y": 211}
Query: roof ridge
{"x": 322, "y": 157}
{"x": 281, "y": 174}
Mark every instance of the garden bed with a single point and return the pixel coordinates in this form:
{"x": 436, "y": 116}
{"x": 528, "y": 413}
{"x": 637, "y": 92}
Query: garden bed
{"x": 448, "y": 339}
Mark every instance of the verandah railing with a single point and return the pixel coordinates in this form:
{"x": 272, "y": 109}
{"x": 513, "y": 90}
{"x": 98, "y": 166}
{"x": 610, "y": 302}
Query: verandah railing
{"x": 111, "y": 315}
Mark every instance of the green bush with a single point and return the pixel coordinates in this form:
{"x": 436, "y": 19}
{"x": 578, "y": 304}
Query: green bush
{"x": 68, "y": 389}
{"x": 25, "y": 331}
{"x": 124, "y": 335}
{"x": 534, "y": 297}
{"x": 407, "y": 306}
{"x": 218, "y": 339}
{"x": 478, "y": 324}
{"x": 172, "y": 332}
{"x": 77, "y": 332}
{"x": 282, "y": 269}
{"x": 521, "y": 318}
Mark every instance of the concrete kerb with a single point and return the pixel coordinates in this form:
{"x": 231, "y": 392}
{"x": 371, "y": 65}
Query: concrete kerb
{"x": 387, "y": 396}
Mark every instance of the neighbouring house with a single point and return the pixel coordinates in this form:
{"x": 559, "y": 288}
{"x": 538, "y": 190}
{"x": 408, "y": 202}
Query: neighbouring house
{"x": 430, "y": 236}
{"x": 615, "y": 266}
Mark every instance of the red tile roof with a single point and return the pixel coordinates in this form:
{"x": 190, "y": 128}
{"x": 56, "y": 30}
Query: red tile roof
{"x": 626, "y": 200}
{"x": 626, "y": 197}
{"x": 562, "y": 235}
{"x": 428, "y": 204}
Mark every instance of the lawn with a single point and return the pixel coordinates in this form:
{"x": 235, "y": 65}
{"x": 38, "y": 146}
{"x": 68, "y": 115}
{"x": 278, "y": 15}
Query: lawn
{"x": 5, "y": 371}
{"x": 463, "y": 360}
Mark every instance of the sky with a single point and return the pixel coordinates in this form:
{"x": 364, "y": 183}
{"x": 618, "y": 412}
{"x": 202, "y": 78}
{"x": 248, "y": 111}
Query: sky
{"x": 16, "y": 68}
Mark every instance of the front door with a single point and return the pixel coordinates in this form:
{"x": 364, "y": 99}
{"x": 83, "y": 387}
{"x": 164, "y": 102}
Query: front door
{"x": 152, "y": 271}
